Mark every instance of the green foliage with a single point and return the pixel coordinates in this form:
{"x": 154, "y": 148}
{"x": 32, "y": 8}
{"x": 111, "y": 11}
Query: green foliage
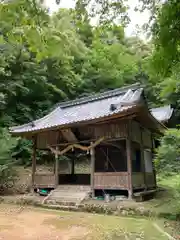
{"x": 110, "y": 63}
{"x": 36, "y": 86}
{"x": 23, "y": 151}
{"x": 166, "y": 30}
{"x": 106, "y": 11}
{"x": 167, "y": 158}
{"x": 7, "y": 174}
{"x": 6, "y": 145}
{"x": 164, "y": 61}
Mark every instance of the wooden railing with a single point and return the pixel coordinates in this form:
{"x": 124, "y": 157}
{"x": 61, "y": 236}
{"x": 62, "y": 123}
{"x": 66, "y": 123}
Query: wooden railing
{"x": 111, "y": 180}
{"x": 44, "y": 180}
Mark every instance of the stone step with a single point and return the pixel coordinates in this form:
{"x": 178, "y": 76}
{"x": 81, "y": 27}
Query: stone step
{"x": 64, "y": 203}
{"x": 70, "y": 190}
{"x": 73, "y": 188}
{"x": 69, "y": 195}
{"x": 63, "y": 207}
{"x": 66, "y": 199}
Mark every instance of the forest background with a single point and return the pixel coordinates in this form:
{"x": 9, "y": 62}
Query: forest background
{"x": 47, "y": 58}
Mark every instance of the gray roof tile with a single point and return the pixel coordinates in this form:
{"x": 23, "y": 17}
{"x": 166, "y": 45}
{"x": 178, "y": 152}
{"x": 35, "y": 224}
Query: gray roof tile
{"x": 162, "y": 114}
{"x": 86, "y": 109}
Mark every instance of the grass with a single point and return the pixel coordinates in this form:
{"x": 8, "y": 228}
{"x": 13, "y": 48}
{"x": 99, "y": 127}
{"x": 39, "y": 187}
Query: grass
{"x": 108, "y": 227}
{"x": 167, "y": 200}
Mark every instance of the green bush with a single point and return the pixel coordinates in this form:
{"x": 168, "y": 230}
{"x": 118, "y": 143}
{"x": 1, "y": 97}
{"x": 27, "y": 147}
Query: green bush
{"x": 7, "y": 173}
{"x": 168, "y": 153}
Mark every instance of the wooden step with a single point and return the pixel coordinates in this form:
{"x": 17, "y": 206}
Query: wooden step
{"x": 139, "y": 196}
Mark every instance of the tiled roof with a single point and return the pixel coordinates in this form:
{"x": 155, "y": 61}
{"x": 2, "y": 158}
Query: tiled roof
{"x": 85, "y": 109}
{"x": 162, "y": 114}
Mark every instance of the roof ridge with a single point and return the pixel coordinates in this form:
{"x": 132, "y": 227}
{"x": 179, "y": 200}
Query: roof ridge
{"x": 98, "y": 96}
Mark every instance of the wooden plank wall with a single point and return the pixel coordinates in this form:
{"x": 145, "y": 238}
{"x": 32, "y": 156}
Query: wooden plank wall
{"x": 146, "y": 138}
{"x": 48, "y": 138}
{"x": 108, "y": 130}
{"x": 111, "y": 180}
{"x": 44, "y": 180}
{"x": 140, "y": 179}
{"x": 150, "y": 180}
{"x": 136, "y": 134}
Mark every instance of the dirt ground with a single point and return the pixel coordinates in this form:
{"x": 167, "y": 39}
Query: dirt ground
{"x": 28, "y": 223}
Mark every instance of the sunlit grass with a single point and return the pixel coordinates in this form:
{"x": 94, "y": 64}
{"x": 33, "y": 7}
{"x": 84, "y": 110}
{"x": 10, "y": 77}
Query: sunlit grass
{"x": 107, "y": 227}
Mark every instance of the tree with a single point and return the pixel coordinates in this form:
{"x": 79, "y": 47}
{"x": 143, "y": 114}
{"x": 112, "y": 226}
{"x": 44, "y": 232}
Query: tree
{"x": 106, "y": 11}
{"x": 36, "y": 85}
{"x": 166, "y": 55}
{"x": 25, "y": 22}
{"x": 109, "y": 64}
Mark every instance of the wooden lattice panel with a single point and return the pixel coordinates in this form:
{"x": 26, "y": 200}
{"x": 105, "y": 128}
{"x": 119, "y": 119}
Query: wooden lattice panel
{"x": 114, "y": 180}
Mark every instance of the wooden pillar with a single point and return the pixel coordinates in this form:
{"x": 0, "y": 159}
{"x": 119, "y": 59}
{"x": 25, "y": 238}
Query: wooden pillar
{"x": 72, "y": 166}
{"x": 92, "y": 152}
{"x": 142, "y": 159}
{"x": 56, "y": 168}
{"x": 154, "y": 170}
{"x": 129, "y": 160}
{"x": 34, "y": 161}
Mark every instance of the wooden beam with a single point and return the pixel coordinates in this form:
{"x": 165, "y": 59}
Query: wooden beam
{"x": 56, "y": 168}
{"x": 86, "y": 141}
{"x": 129, "y": 161}
{"x": 92, "y": 152}
{"x": 69, "y": 135}
{"x": 34, "y": 161}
